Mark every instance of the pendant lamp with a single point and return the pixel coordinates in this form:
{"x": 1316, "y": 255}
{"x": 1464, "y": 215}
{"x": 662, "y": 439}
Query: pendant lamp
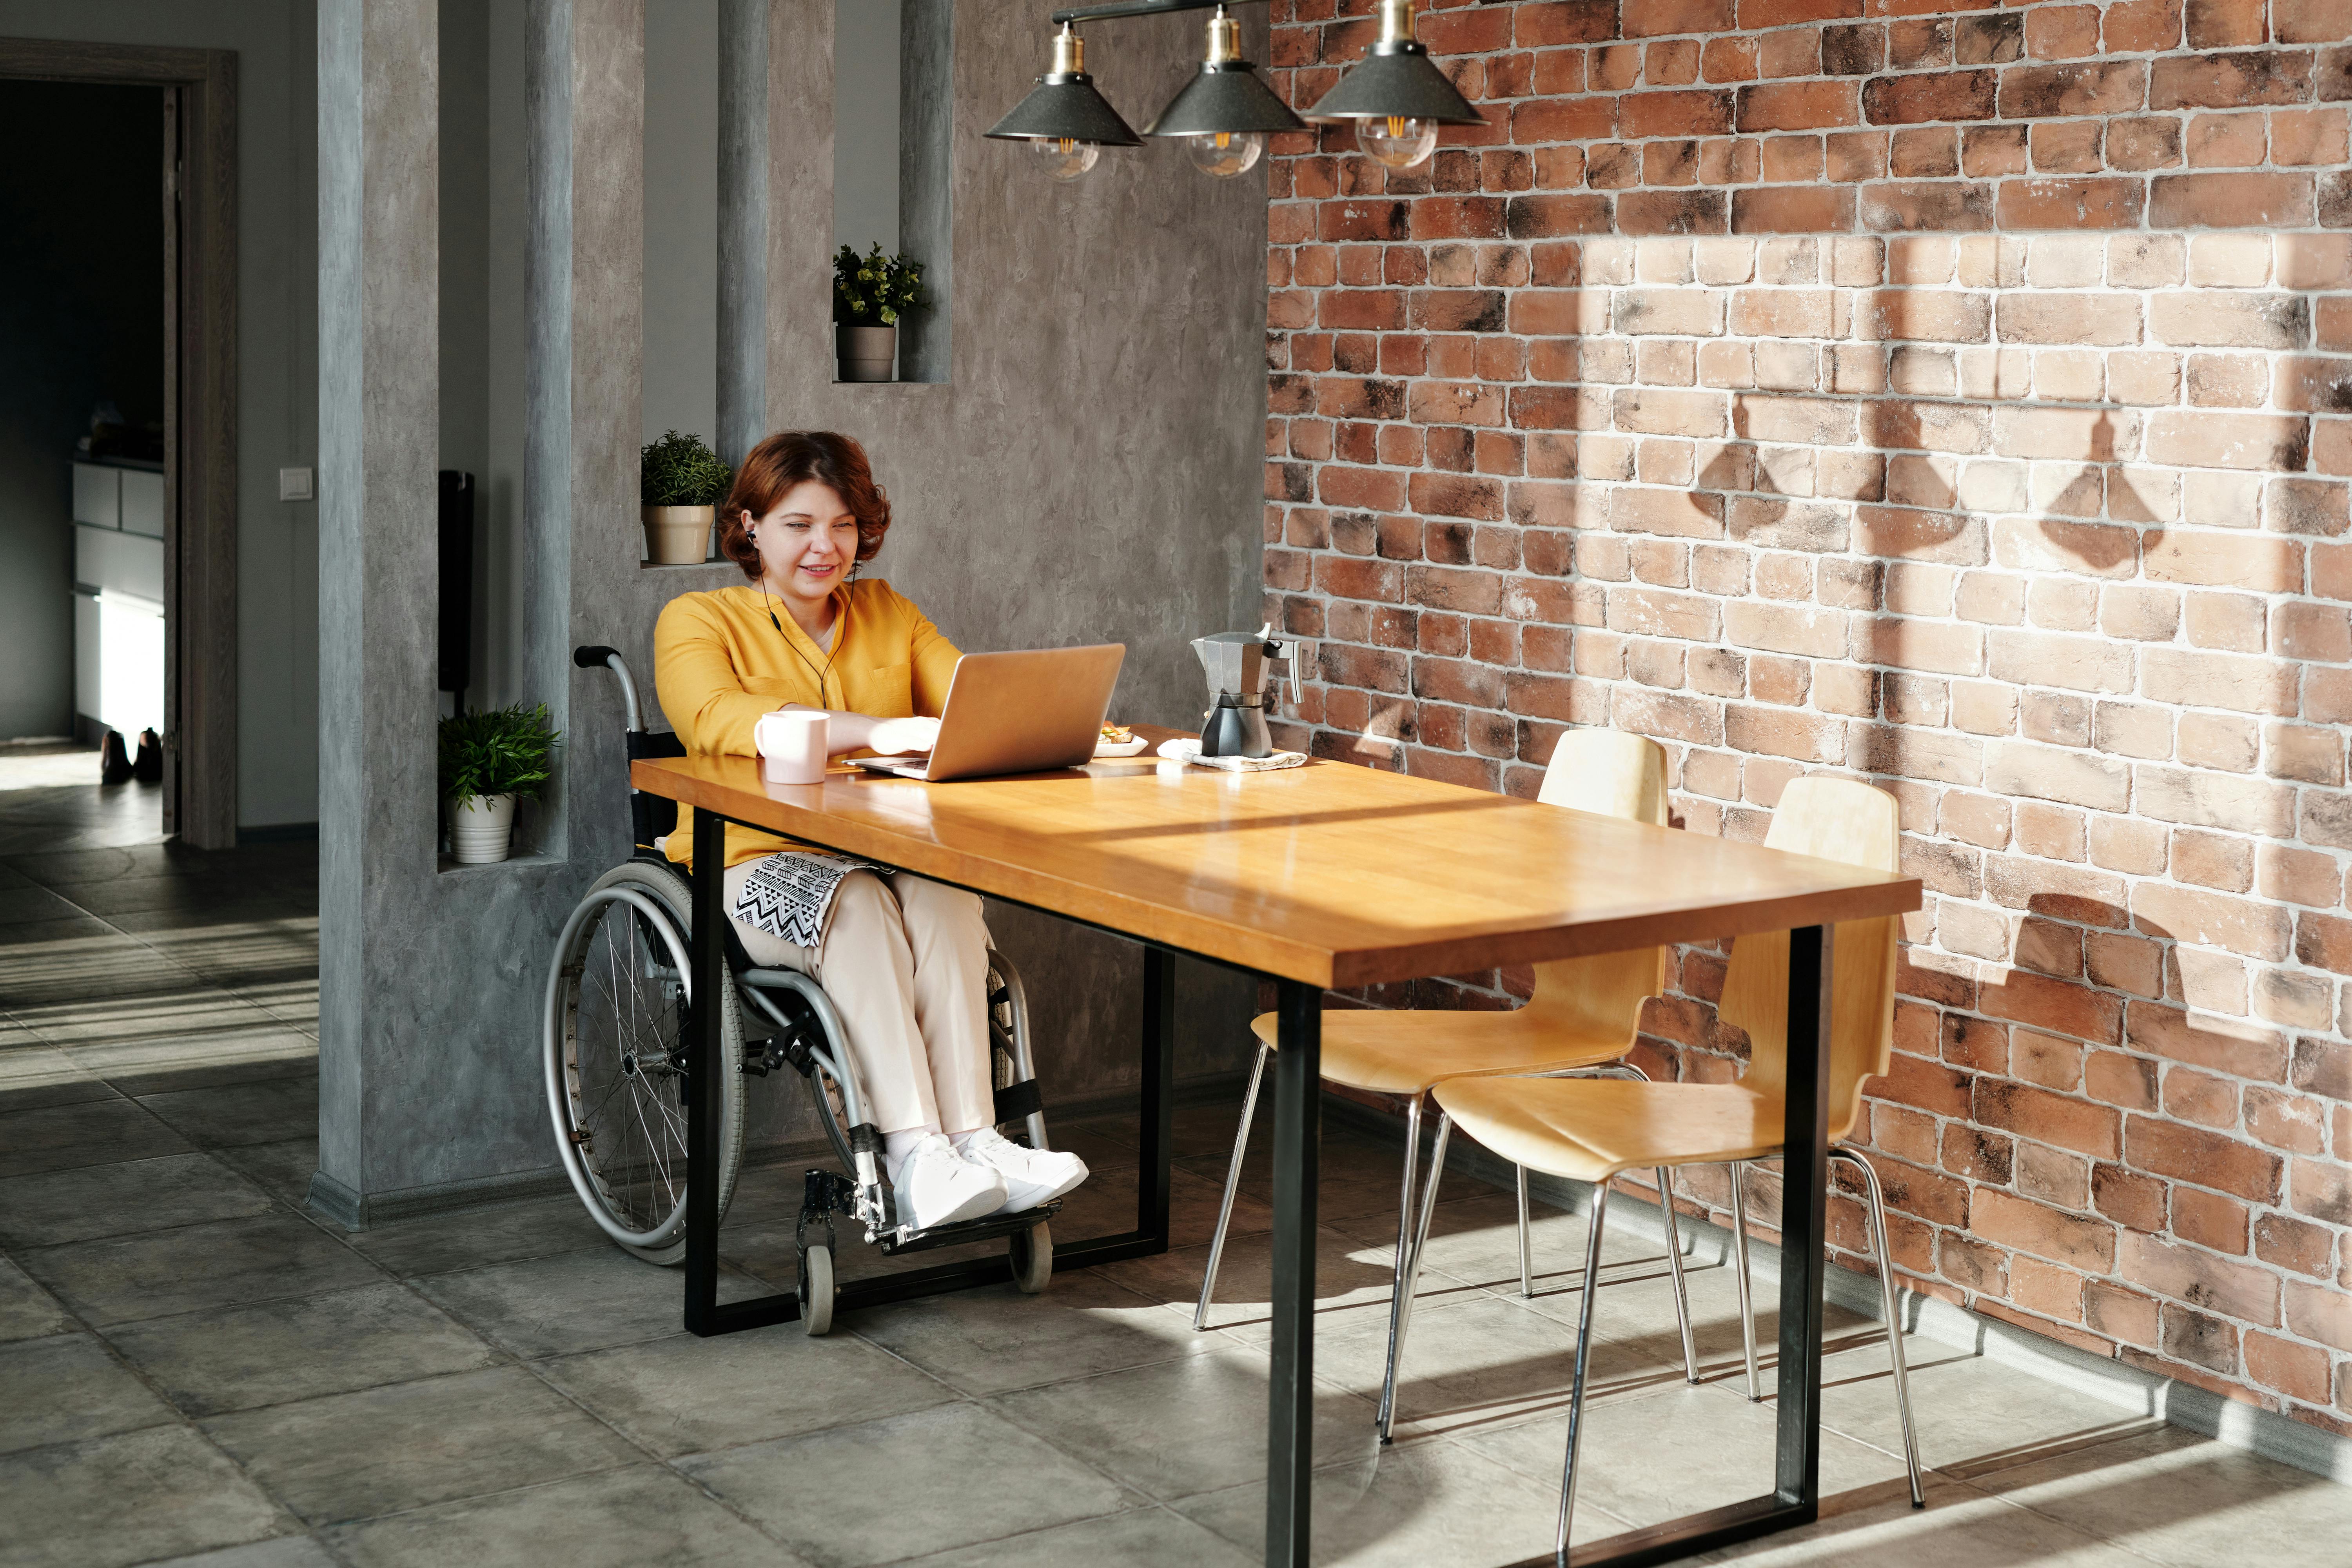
{"x": 1224, "y": 113}
{"x": 1064, "y": 119}
{"x": 1395, "y": 96}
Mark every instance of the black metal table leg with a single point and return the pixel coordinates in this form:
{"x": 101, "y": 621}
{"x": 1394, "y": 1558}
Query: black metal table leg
{"x": 708, "y": 956}
{"x": 1154, "y": 1180}
{"x": 1297, "y": 1146}
{"x": 1804, "y": 1220}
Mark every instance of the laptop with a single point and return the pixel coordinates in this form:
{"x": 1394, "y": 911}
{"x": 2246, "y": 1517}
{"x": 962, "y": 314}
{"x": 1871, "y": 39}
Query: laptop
{"x": 1022, "y": 712}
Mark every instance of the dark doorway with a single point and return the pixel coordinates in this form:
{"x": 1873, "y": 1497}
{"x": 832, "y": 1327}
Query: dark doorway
{"x": 118, "y": 436}
{"x": 82, "y": 323}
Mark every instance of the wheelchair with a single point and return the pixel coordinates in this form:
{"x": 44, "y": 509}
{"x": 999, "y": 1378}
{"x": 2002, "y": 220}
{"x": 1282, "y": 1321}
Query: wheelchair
{"x": 618, "y": 1006}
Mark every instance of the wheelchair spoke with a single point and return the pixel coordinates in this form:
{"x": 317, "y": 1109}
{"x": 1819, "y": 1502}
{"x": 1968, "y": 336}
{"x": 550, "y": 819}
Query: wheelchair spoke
{"x": 652, "y": 1147}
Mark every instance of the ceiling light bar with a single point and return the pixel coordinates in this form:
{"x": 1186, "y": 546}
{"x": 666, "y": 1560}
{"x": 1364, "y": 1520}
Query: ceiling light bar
{"x": 1397, "y": 98}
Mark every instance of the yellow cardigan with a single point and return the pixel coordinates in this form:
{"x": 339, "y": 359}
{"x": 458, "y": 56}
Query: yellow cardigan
{"x": 719, "y": 663}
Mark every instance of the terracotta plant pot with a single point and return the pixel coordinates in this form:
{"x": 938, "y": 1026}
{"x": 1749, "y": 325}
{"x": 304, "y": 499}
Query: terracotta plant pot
{"x": 678, "y": 535}
{"x": 480, "y": 829}
{"x": 866, "y": 353}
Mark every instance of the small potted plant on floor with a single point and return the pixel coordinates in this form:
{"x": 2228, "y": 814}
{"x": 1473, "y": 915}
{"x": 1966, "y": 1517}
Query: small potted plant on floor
{"x": 487, "y": 761}
{"x": 869, "y": 294}
{"x": 680, "y": 484}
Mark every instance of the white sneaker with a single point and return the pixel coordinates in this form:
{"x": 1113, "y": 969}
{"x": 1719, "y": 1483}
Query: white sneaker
{"x": 1030, "y": 1177}
{"x": 936, "y": 1185}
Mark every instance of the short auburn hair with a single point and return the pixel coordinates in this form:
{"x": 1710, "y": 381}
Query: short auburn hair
{"x": 791, "y": 457}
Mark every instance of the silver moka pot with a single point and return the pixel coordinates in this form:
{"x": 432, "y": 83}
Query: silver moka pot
{"x": 1244, "y": 669}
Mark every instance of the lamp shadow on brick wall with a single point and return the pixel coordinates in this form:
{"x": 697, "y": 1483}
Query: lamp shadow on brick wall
{"x": 2103, "y": 1083}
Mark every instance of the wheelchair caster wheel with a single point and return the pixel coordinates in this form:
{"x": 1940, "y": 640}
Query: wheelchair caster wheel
{"x": 816, "y": 1291}
{"x": 1032, "y": 1257}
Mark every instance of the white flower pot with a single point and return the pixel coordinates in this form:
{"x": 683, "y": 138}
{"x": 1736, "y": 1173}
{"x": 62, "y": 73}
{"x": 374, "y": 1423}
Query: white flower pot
{"x": 678, "y": 535}
{"x": 481, "y": 828}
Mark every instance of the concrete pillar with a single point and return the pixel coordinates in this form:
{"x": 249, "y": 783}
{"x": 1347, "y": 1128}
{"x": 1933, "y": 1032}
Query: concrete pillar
{"x": 432, "y": 978}
{"x": 378, "y": 425}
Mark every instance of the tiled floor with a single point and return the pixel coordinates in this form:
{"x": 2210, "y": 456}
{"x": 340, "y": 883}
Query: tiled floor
{"x": 193, "y": 1370}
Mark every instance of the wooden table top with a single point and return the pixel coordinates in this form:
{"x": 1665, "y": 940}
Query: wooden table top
{"x": 1330, "y": 873}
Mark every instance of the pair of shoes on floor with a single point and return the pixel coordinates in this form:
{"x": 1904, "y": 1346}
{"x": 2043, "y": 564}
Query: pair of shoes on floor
{"x": 116, "y": 765}
{"x": 941, "y": 1184}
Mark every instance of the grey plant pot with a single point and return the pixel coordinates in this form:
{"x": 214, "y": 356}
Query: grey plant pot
{"x": 866, "y": 353}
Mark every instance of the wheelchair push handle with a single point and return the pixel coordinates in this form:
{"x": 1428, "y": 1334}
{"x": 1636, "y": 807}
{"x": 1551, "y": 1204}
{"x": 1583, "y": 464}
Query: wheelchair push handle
{"x": 589, "y": 655}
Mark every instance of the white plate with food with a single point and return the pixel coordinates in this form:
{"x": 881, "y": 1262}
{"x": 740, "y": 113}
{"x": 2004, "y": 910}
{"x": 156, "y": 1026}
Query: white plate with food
{"x": 1119, "y": 740}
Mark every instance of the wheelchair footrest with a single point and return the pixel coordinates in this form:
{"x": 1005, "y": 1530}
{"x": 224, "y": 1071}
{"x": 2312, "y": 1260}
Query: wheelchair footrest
{"x": 986, "y": 1229}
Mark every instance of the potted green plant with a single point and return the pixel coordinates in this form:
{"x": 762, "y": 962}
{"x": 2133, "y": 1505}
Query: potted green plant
{"x": 869, "y": 294}
{"x": 680, "y": 483}
{"x": 489, "y": 761}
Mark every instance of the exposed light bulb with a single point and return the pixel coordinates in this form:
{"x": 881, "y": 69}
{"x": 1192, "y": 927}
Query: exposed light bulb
{"x": 1064, "y": 159}
{"x": 1397, "y": 141}
{"x": 1224, "y": 154}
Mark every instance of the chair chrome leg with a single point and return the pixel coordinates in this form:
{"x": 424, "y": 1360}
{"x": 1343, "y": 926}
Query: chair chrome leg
{"x": 1674, "y": 1263}
{"x": 1419, "y": 1247}
{"x": 1527, "y": 1248}
{"x": 1583, "y": 1364}
{"x": 1399, "y": 1285}
{"x": 1739, "y": 1259}
{"x": 1894, "y": 1320}
{"x": 1233, "y": 1183}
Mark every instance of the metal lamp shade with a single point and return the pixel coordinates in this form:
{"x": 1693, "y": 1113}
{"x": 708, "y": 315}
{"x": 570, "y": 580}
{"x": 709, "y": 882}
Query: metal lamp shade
{"x": 1225, "y": 97}
{"x": 1065, "y": 107}
{"x": 1396, "y": 81}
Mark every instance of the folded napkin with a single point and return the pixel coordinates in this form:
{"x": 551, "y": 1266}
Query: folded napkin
{"x": 1185, "y": 749}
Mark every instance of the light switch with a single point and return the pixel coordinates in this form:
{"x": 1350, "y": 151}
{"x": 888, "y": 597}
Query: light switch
{"x": 294, "y": 484}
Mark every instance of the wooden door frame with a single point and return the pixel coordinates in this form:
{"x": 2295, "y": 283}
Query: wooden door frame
{"x": 200, "y": 476}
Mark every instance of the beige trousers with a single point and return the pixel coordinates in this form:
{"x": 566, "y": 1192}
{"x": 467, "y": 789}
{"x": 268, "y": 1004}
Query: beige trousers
{"x": 906, "y": 963}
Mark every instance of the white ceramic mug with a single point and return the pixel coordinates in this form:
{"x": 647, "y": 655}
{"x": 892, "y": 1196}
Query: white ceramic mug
{"x": 791, "y": 746}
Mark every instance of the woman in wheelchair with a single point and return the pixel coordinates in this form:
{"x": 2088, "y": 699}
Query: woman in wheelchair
{"x": 904, "y": 959}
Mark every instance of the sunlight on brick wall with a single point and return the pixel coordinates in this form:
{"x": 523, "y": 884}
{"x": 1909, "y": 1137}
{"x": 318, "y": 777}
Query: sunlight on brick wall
{"x": 1951, "y": 397}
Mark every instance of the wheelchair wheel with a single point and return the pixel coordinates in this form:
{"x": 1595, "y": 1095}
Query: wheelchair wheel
{"x": 816, "y": 1291}
{"x": 1032, "y": 1257}
{"x": 614, "y": 1050}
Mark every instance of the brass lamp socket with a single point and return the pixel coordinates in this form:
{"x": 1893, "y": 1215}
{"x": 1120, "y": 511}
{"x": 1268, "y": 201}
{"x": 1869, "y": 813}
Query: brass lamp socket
{"x": 1396, "y": 21}
{"x": 1225, "y": 38}
{"x": 1069, "y": 52}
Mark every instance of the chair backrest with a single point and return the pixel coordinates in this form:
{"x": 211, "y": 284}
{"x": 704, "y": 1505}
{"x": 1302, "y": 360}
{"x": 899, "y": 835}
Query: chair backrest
{"x": 1612, "y": 773}
{"x": 1834, "y": 819}
{"x": 1608, "y": 771}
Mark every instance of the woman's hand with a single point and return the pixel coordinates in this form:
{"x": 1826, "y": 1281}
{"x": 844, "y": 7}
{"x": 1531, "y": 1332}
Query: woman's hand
{"x": 897, "y": 737}
{"x": 847, "y": 733}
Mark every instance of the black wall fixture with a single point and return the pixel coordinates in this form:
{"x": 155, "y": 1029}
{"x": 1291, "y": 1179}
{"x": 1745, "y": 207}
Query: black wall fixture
{"x": 456, "y": 641}
{"x": 1396, "y": 97}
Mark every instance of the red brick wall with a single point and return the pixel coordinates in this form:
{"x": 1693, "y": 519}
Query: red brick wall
{"x": 1948, "y": 397}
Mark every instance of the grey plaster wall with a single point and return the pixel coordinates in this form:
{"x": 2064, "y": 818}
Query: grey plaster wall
{"x": 277, "y": 402}
{"x": 681, "y": 218}
{"x": 866, "y": 124}
{"x": 485, "y": 229}
{"x": 1090, "y": 471}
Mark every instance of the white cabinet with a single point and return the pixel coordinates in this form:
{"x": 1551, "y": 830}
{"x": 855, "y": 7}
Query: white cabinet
{"x": 143, "y": 502}
{"x": 119, "y": 597}
{"x": 98, "y": 495}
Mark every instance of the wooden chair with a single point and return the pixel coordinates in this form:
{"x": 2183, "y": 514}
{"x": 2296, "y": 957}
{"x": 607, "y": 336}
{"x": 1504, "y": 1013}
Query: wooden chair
{"x": 1590, "y": 1130}
{"x": 1581, "y": 1017}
